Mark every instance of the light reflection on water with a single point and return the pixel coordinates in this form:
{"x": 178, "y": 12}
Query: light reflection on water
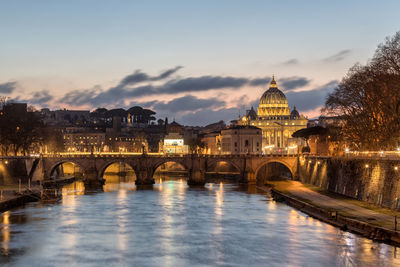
{"x": 175, "y": 225}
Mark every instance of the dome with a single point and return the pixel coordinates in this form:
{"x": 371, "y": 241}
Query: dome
{"x": 273, "y": 95}
{"x": 294, "y": 114}
{"x": 273, "y": 102}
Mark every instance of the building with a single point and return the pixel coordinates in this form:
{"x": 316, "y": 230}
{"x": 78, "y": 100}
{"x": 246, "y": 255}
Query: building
{"x": 84, "y": 142}
{"x": 174, "y": 142}
{"x": 174, "y": 127}
{"x": 276, "y": 121}
{"x": 241, "y": 139}
{"x": 17, "y": 109}
{"x": 122, "y": 143}
{"x": 65, "y": 117}
{"x": 212, "y": 143}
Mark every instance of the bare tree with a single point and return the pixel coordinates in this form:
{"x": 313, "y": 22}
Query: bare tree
{"x": 368, "y": 98}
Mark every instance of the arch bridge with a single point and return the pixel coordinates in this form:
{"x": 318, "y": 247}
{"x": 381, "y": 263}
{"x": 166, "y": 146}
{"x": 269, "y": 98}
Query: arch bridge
{"x": 144, "y": 166}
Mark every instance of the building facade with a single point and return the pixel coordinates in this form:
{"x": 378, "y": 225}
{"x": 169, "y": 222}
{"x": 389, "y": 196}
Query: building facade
{"x": 212, "y": 143}
{"x": 84, "y": 142}
{"x": 242, "y": 139}
{"x": 276, "y": 121}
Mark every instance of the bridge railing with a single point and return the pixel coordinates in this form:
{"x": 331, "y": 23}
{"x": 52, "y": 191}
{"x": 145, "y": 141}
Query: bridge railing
{"x": 126, "y": 155}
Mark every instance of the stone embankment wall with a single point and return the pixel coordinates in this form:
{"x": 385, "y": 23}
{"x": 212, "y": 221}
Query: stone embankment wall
{"x": 375, "y": 180}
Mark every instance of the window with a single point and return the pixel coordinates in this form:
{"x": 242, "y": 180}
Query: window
{"x": 258, "y": 144}
{"x": 246, "y": 143}
{"x": 235, "y": 144}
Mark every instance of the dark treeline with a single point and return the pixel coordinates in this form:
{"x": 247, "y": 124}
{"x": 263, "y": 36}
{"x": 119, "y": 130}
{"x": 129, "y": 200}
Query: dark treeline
{"x": 136, "y": 113}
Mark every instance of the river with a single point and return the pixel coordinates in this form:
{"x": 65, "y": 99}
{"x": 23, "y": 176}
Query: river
{"x": 172, "y": 224}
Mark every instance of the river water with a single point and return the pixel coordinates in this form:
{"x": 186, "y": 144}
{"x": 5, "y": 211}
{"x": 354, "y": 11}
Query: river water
{"x": 175, "y": 225}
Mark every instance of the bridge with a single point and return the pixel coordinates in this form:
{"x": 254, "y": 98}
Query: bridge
{"x": 93, "y": 166}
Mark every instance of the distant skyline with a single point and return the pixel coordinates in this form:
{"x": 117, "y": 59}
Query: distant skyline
{"x": 195, "y": 61}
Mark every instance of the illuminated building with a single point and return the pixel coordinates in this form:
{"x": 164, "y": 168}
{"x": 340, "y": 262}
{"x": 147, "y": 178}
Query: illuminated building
{"x": 174, "y": 141}
{"x": 212, "y": 142}
{"x": 276, "y": 121}
{"x": 174, "y": 144}
{"x": 84, "y": 142}
{"x": 242, "y": 139}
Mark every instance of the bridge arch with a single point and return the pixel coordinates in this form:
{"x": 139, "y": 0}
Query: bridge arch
{"x": 213, "y": 165}
{"x": 117, "y": 174}
{"x": 75, "y": 164}
{"x": 274, "y": 170}
{"x": 171, "y": 166}
{"x": 108, "y": 164}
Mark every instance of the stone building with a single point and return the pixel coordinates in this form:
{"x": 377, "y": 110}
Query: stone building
{"x": 212, "y": 143}
{"x": 276, "y": 121}
{"x": 84, "y": 142}
{"x": 242, "y": 139}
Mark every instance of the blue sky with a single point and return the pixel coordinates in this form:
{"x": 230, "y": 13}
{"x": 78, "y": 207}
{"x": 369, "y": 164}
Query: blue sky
{"x": 76, "y": 54}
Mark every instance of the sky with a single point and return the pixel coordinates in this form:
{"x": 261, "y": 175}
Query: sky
{"x": 197, "y": 62}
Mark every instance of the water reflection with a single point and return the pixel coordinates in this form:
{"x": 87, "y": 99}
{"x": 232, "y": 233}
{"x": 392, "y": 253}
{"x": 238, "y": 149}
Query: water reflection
{"x": 119, "y": 176}
{"x": 115, "y": 182}
{"x": 5, "y": 232}
{"x": 175, "y": 225}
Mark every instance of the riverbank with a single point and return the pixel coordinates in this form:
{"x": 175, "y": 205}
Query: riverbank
{"x": 14, "y": 196}
{"x": 352, "y": 215}
{"x": 11, "y": 199}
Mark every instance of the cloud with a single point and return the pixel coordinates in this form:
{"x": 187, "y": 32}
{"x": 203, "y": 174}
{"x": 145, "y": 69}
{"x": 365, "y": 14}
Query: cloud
{"x": 7, "y": 88}
{"x": 40, "y": 98}
{"x": 169, "y": 72}
{"x": 134, "y": 78}
{"x": 81, "y": 97}
{"x": 260, "y": 81}
{"x": 203, "y": 83}
{"x": 293, "y": 61}
{"x": 138, "y": 76}
{"x": 188, "y": 103}
{"x": 129, "y": 87}
{"x": 307, "y": 100}
{"x": 338, "y": 56}
{"x": 303, "y": 100}
{"x": 181, "y": 104}
{"x": 207, "y": 116}
{"x": 292, "y": 83}
{"x": 186, "y": 107}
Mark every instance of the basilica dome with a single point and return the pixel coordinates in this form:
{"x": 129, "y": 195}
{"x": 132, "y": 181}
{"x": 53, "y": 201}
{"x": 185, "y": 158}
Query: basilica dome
{"x": 273, "y": 95}
{"x": 273, "y": 102}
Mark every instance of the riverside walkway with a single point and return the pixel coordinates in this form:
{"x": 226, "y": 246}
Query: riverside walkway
{"x": 347, "y": 207}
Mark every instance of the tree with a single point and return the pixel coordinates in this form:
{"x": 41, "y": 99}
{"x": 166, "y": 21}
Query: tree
{"x": 52, "y": 139}
{"x": 307, "y": 132}
{"x": 160, "y": 122}
{"x": 19, "y": 130}
{"x": 195, "y": 144}
{"x": 118, "y": 112}
{"x": 368, "y": 98}
{"x": 140, "y": 115}
{"x": 99, "y": 113}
